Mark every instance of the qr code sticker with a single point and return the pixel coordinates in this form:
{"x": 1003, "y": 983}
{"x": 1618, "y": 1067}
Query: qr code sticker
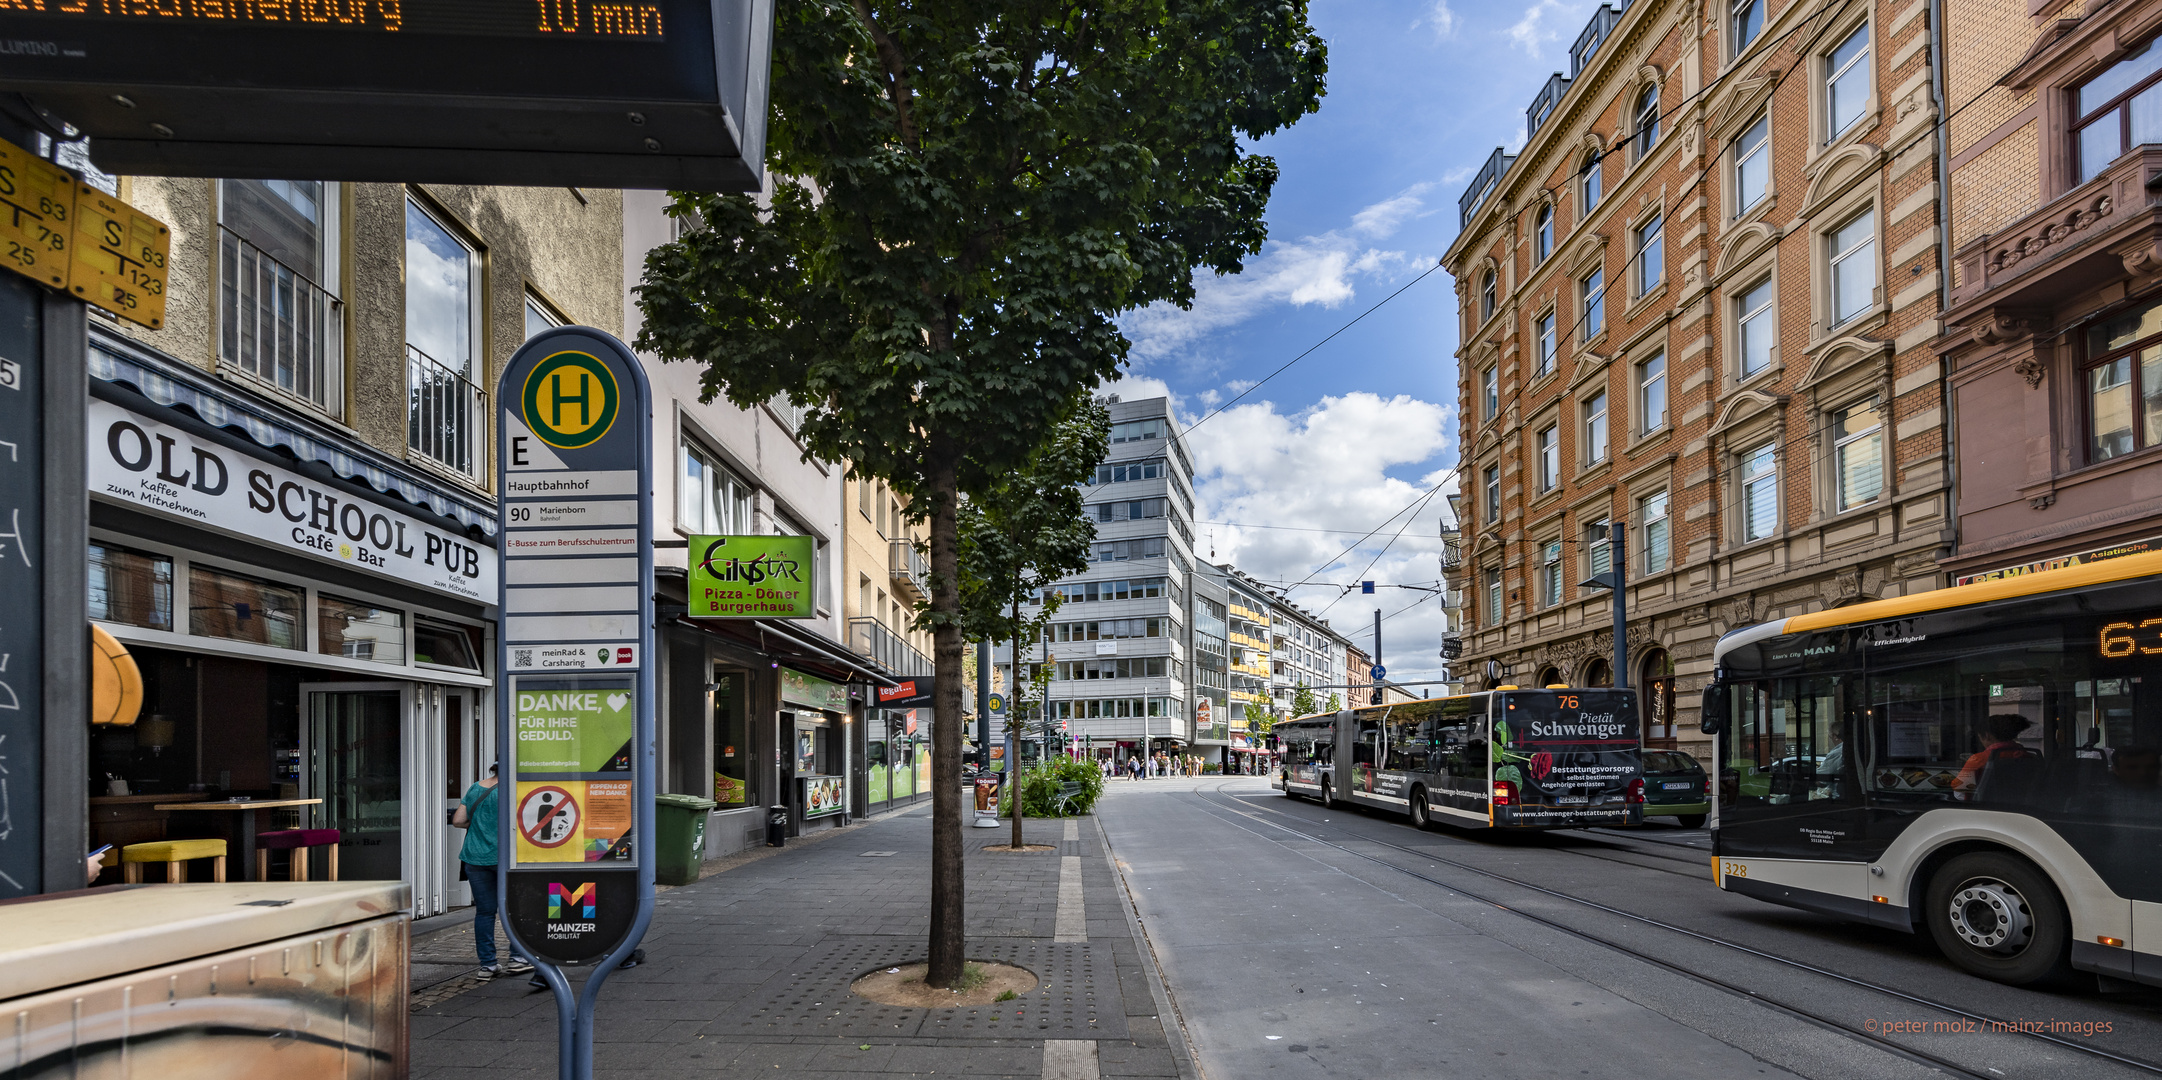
{"x": 521, "y": 658}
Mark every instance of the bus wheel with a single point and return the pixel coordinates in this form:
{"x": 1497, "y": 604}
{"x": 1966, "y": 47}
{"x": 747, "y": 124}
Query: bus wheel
{"x": 1690, "y": 821}
{"x": 1998, "y": 917}
{"x": 1419, "y": 817}
{"x": 1328, "y": 800}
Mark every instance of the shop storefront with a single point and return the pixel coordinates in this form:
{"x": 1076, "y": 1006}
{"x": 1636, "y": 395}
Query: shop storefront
{"x": 304, "y": 638}
{"x": 897, "y": 751}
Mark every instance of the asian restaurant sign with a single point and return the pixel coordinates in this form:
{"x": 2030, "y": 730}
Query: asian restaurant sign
{"x": 2115, "y": 551}
{"x": 752, "y": 577}
{"x": 165, "y": 470}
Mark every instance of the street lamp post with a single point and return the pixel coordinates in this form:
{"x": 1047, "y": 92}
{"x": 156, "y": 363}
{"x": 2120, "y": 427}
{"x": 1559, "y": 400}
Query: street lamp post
{"x": 1616, "y": 579}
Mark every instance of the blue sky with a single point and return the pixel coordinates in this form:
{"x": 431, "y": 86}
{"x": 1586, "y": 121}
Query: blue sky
{"x": 1420, "y": 92}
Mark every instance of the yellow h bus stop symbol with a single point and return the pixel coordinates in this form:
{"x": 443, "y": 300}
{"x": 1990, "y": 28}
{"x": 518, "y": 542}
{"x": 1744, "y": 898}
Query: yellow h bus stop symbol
{"x": 570, "y": 400}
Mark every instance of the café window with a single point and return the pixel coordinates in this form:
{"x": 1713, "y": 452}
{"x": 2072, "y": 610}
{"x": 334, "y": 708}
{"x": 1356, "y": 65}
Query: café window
{"x": 2119, "y": 109}
{"x": 358, "y": 630}
{"x": 132, "y": 587}
{"x": 239, "y": 608}
{"x": 445, "y": 645}
{"x": 2124, "y": 384}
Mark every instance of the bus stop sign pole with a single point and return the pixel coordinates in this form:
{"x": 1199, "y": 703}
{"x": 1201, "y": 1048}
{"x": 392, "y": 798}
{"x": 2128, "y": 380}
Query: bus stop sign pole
{"x": 574, "y": 715}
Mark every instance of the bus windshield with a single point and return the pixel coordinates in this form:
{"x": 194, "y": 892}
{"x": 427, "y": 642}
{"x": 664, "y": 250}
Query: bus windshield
{"x": 1567, "y": 748}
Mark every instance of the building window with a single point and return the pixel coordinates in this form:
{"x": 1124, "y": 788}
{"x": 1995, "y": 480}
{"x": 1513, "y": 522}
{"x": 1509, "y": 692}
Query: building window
{"x": 2124, "y": 380}
{"x": 1853, "y": 248}
{"x": 1542, "y": 236}
{"x": 1752, "y": 164}
{"x": 1598, "y": 549}
{"x": 1652, "y": 511}
{"x": 539, "y": 316}
{"x": 1758, "y": 328}
{"x": 1651, "y": 383}
{"x": 1760, "y": 493}
{"x": 1486, "y": 296}
{"x": 1747, "y": 22}
{"x": 279, "y": 316}
{"x": 1846, "y": 82}
{"x": 1492, "y": 481}
{"x": 446, "y": 644}
{"x": 821, "y": 588}
{"x": 1647, "y": 121}
{"x": 711, "y": 500}
{"x": 1494, "y": 613}
{"x": 1595, "y": 447}
{"x": 1137, "y": 431}
{"x": 1592, "y": 290}
{"x": 1490, "y": 392}
{"x": 1858, "y": 453}
{"x": 1549, "y": 459}
{"x": 442, "y": 340}
{"x": 358, "y": 630}
{"x": 2119, "y": 109}
{"x": 1544, "y": 326}
{"x": 1650, "y": 244}
{"x": 132, "y": 587}
{"x": 1550, "y": 573}
{"x": 238, "y": 608}
{"x": 1594, "y": 185}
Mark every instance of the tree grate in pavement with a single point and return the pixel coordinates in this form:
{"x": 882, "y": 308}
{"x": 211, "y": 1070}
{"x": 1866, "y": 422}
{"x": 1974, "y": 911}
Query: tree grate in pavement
{"x": 1076, "y": 996}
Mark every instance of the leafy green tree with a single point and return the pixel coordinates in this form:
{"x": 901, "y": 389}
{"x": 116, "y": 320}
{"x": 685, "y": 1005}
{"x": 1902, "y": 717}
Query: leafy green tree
{"x": 1258, "y": 720}
{"x": 1336, "y": 702}
{"x": 968, "y": 195}
{"x": 1302, "y": 700}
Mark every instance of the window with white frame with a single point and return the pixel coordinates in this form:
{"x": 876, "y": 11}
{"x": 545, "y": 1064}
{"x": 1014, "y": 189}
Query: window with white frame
{"x": 1745, "y": 21}
{"x": 539, "y": 316}
{"x": 1760, "y": 493}
{"x": 1657, "y": 530}
{"x": 1756, "y": 328}
{"x": 1486, "y": 295}
{"x": 1646, "y": 116}
{"x": 1491, "y": 481}
{"x": 1650, "y": 244}
{"x": 821, "y": 589}
{"x": 442, "y": 341}
{"x": 1494, "y": 611}
{"x": 1594, "y": 183}
{"x": 1550, "y": 573}
{"x": 1549, "y": 458}
{"x": 1858, "y": 453}
{"x": 710, "y": 499}
{"x": 1490, "y": 392}
{"x": 1595, "y": 443}
{"x": 1752, "y": 164}
{"x": 1598, "y": 549}
{"x": 1542, "y": 235}
{"x": 1591, "y": 289}
{"x": 1543, "y": 331}
{"x": 1852, "y": 249}
{"x": 279, "y": 315}
{"x": 1846, "y": 82}
{"x": 1651, "y": 384}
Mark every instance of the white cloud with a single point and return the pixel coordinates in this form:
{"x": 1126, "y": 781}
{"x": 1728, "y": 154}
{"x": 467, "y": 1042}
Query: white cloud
{"x": 1438, "y": 19}
{"x": 1323, "y": 468}
{"x": 1321, "y": 269}
{"x": 1542, "y": 22}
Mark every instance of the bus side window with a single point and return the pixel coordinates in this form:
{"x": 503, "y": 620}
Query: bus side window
{"x": 1407, "y": 749}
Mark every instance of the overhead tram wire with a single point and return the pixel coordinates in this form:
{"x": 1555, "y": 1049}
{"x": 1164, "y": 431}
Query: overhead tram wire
{"x": 1408, "y": 519}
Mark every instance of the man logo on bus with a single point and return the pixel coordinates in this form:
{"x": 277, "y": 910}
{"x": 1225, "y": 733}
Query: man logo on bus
{"x": 563, "y": 898}
{"x": 570, "y": 400}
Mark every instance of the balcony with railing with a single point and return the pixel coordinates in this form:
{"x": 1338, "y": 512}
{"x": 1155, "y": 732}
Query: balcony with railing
{"x": 444, "y": 413}
{"x": 911, "y": 572}
{"x": 279, "y": 325}
{"x": 870, "y": 638}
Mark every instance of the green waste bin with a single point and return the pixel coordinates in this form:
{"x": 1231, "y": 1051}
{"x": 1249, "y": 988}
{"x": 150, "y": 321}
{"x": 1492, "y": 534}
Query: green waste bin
{"x": 679, "y": 828}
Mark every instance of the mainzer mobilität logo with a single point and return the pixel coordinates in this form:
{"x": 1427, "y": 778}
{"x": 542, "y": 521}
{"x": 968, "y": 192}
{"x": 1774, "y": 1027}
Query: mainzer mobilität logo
{"x": 570, "y": 400}
{"x": 572, "y": 902}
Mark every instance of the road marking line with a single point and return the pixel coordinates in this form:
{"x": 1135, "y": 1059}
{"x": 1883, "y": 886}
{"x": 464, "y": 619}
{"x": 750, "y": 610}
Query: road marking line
{"x": 1073, "y": 829}
{"x": 1072, "y": 922}
{"x": 1070, "y": 1059}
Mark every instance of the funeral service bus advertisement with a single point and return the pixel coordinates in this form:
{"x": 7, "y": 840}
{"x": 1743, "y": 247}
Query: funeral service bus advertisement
{"x": 1571, "y": 757}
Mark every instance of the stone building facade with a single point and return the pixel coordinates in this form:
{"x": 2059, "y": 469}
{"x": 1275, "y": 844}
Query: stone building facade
{"x": 1701, "y": 300}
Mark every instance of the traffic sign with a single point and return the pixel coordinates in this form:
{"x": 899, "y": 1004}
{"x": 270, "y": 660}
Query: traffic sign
{"x": 1380, "y": 672}
{"x": 995, "y": 704}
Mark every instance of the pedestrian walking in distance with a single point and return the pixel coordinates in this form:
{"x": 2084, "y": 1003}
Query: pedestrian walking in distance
{"x": 476, "y": 814}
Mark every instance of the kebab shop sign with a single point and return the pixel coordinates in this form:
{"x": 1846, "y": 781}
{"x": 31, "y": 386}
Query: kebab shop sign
{"x": 165, "y": 470}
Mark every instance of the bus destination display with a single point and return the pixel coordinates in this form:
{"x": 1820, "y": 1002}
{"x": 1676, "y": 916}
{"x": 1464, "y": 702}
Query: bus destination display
{"x": 591, "y": 19}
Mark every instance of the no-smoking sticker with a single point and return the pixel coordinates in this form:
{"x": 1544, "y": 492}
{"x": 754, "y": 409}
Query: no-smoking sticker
{"x": 547, "y": 816}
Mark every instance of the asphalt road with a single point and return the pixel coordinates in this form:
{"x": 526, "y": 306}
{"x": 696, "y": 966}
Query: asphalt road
{"x": 1298, "y": 941}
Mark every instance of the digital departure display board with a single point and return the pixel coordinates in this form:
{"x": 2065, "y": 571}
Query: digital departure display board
{"x": 603, "y": 93}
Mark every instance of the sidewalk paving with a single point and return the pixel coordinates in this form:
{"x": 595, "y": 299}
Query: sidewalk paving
{"x": 747, "y": 972}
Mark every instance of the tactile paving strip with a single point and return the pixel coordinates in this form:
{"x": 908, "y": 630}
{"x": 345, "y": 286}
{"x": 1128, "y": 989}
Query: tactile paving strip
{"x": 1076, "y": 996}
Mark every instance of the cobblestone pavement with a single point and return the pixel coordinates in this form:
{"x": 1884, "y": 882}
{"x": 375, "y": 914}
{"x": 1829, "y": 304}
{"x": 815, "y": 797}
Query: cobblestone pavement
{"x": 747, "y": 972}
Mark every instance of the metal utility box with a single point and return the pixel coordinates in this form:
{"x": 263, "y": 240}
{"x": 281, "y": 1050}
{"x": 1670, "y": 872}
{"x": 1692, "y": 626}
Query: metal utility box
{"x": 194, "y": 982}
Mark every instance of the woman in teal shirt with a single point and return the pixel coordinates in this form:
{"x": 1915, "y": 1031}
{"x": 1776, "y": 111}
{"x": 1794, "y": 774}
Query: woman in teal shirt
{"x": 476, "y": 814}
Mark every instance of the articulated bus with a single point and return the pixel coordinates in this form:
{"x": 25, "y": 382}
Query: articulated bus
{"x": 1506, "y": 758}
{"x": 1981, "y": 761}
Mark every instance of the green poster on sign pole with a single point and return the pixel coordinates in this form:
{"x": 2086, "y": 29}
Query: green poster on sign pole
{"x": 574, "y": 725}
{"x": 753, "y": 577}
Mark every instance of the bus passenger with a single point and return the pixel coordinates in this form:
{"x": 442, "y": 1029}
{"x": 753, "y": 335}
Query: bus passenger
{"x": 2004, "y": 746}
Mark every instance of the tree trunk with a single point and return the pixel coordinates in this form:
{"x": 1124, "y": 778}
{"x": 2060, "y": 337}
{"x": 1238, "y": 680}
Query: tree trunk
{"x": 949, "y": 944}
{"x": 1013, "y": 775}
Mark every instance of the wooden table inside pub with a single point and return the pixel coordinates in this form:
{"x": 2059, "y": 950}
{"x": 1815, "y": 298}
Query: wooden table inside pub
{"x": 247, "y": 808}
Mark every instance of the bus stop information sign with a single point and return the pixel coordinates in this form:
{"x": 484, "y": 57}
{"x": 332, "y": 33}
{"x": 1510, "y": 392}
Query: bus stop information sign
{"x": 576, "y": 712}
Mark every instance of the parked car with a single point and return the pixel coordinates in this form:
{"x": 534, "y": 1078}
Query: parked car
{"x": 1674, "y": 784}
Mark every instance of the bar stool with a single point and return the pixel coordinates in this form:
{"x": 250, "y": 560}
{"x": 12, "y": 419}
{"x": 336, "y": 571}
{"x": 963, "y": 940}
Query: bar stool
{"x": 174, "y": 854}
{"x": 297, "y": 841}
